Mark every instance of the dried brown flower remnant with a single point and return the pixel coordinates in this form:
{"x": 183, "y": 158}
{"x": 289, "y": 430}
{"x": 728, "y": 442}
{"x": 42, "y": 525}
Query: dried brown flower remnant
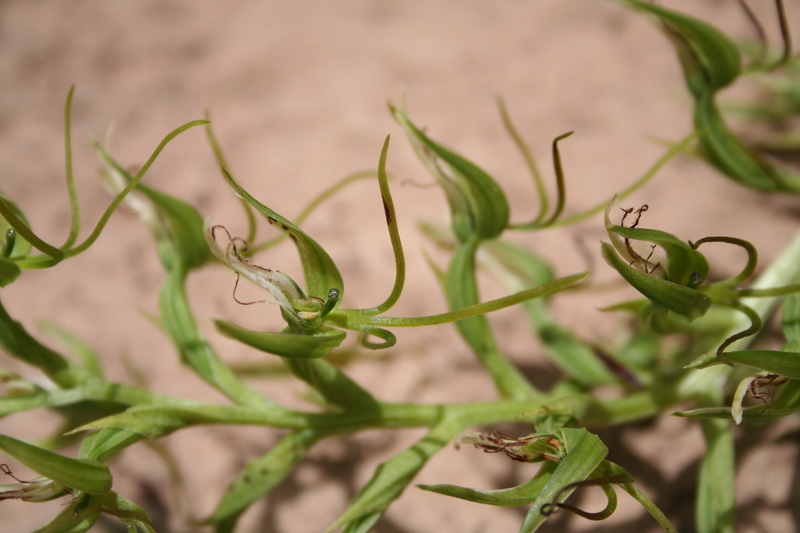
{"x": 529, "y": 449}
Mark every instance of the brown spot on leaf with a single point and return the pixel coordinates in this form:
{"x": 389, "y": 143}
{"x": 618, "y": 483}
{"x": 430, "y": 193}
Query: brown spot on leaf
{"x": 386, "y": 212}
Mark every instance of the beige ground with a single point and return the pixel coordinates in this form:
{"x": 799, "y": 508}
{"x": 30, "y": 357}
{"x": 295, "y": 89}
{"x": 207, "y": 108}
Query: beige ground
{"x": 297, "y": 91}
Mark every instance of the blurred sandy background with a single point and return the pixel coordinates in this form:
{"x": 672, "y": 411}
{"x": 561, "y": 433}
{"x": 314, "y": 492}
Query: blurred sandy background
{"x": 297, "y": 93}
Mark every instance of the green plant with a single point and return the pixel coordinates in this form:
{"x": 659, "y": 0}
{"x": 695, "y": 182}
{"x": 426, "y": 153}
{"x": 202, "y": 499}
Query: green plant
{"x": 652, "y": 371}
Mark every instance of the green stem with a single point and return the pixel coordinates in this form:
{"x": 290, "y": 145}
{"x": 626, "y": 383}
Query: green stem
{"x": 530, "y": 162}
{"x": 343, "y": 316}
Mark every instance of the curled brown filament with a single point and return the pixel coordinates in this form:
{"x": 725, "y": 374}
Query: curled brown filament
{"x": 604, "y": 482}
{"x": 649, "y": 268}
{"x": 7, "y": 471}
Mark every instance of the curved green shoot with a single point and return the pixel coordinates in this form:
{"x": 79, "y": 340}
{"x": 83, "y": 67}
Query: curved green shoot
{"x": 75, "y": 212}
{"x": 561, "y": 196}
{"x": 747, "y": 271}
{"x": 394, "y": 236}
{"x": 54, "y": 254}
{"x": 530, "y": 162}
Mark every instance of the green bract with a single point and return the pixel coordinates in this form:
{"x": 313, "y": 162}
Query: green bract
{"x": 673, "y": 287}
{"x": 477, "y": 204}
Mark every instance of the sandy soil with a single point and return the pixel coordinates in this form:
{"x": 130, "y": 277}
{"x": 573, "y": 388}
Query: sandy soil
{"x": 297, "y": 93}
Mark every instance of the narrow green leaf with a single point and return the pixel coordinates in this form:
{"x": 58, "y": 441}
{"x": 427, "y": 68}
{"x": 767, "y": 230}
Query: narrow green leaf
{"x": 107, "y": 442}
{"x": 716, "y": 497}
{"x": 754, "y": 412}
{"x": 155, "y": 421}
{"x": 731, "y": 156}
{"x": 392, "y": 477}
{"x": 333, "y": 384}
{"x": 185, "y": 227}
{"x": 530, "y": 162}
{"x": 772, "y": 361}
{"x": 72, "y": 193}
{"x": 261, "y": 475}
{"x": 790, "y": 321}
{"x": 461, "y": 289}
{"x": 561, "y": 194}
{"x": 524, "y": 494}
{"x": 394, "y": 235}
{"x": 363, "y": 524}
{"x": 634, "y": 307}
{"x": 288, "y": 343}
{"x": 343, "y": 317}
{"x": 195, "y": 350}
{"x": 252, "y": 228}
{"x": 21, "y": 345}
{"x": 84, "y": 475}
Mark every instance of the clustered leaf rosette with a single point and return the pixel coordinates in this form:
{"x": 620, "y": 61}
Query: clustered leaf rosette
{"x": 678, "y": 288}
